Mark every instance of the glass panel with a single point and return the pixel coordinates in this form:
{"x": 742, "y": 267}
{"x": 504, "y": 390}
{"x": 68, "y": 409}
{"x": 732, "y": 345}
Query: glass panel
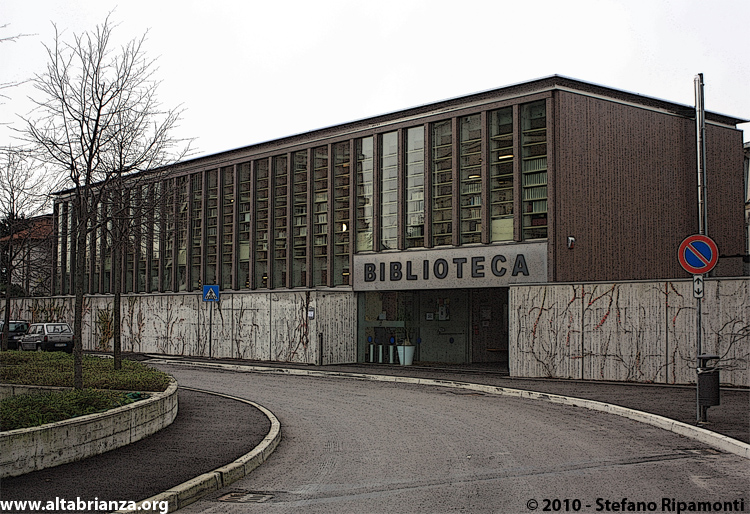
{"x": 389, "y": 191}
{"x": 501, "y": 175}
{"x": 68, "y": 221}
{"x": 245, "y": 226}
{"x": 227, "y": 229}
{"x": 364, "y": 194}
{"x": 414, "y": 189}
{"x": 89, "y": 253}
{"x": 97, "y": 248}
{"x": 262, "y": 186}
{"x": 320, "y": 216}
{"x": 156, "y": 204}
{"x": 534, "y": 147}
{"x": 169, "y": 235}
{"x": 300, "y": 230}
{"x": 196, "y": 231}
{"x": 141, "y": 233}
{"x": 182, "y": 231}
{"x": 107, "y": 249}
{"x": 131, "y": 244}
{"x": 212, "y": 226}
{"x": 280, "y": 203}
{"x": 442, "y": 183}
{"x": 341, "y": 231}
{"x": 470, "y": 173}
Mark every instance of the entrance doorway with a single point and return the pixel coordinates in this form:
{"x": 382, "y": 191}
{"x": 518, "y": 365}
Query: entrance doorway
{"x": 450, "y": 326}
{"x": 489, "y": 326}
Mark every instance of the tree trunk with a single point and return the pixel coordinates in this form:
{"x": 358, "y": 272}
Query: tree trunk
{"x": 117, "y": 301}
{"x": 6, "y": 314}
{"x": 79, "y": 274}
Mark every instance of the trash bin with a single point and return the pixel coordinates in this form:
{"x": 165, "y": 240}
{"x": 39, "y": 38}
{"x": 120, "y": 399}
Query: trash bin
{"x": 708, "y": 381}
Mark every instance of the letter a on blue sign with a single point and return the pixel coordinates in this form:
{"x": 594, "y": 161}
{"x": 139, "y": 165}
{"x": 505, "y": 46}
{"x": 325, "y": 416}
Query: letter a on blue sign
{"x": 210, "y": 293}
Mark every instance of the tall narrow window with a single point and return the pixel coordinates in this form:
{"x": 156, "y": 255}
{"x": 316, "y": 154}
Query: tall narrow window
{"x": 227, "y": 229}
{"x": 106, "y": 247}
{"x": 280, "y": 197}
{"x": 183, "y": 227}
{"x": 501, "y": 175}
{"x": 300, "y": 234}
{"x": 197, "y": 232}
{"x": 212, "y": 227}
{"x": 262, "y": 185}
{"x": 534, "y": 145}
{"x": 155, "y": 214}
{"x": 389, "y": 191}
{"x": 170, "y": 234}
{"x": 98, "y": 250}
{"x": 62, "y": 228}
{"x": 245, "y": 226}
{"x": 364, "y": 194}
{"x": 142, "y": 236}
{"x": 414, "y": 190}
{"x": 131, "y": 238}
{"x": 470, "y": 173}
{"x": 320, "y": 219}
{"x": 442, "y": 183}
{"x": 342, "y": 223}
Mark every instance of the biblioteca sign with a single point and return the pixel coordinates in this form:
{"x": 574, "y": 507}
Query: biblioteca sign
{"x": 465, "y": 267}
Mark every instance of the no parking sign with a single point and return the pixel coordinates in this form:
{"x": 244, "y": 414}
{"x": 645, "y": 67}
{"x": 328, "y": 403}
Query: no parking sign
{"x": 698, "y": 254}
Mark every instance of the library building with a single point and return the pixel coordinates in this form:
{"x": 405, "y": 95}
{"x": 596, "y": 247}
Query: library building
{"x": 494, "y": 229}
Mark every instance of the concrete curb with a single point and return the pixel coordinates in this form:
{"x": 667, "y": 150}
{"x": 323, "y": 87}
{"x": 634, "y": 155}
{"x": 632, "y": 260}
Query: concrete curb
{"x": 31, "y": 449}
{"x": 193, "y": 490}
{"x": 718, "y": 441}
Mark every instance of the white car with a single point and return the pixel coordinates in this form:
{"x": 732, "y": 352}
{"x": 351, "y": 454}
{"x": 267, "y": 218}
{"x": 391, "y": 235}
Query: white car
{"x": 49, "y": 337}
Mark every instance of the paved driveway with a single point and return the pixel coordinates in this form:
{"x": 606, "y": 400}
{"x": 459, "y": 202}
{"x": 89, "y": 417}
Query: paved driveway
{"x": 352, "y": 446}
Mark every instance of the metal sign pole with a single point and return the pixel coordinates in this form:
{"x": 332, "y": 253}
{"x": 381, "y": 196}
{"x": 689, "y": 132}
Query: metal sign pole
{"x": 700, "y": 132}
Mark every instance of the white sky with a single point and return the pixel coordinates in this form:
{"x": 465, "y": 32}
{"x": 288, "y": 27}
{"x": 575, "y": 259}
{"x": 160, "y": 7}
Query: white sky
{"x": 255, "y": 70}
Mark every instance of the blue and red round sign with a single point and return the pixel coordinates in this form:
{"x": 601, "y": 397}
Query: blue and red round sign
{"x": 698, "y": 254}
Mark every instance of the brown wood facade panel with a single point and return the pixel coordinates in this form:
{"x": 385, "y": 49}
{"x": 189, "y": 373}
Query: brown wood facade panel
{"x": 625, "y": 185}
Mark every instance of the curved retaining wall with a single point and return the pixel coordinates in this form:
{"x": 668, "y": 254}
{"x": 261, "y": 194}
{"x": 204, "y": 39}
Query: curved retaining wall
{"x": 30, "y": 449}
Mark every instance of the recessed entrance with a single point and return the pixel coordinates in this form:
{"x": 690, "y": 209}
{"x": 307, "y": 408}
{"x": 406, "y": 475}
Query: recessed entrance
{"x": 450, "y": 326}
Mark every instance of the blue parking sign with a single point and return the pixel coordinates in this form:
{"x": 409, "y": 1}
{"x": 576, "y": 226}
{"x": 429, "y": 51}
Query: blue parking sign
{"x": 210, "y": 293}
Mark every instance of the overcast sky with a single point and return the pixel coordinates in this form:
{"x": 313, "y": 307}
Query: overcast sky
{"x": 251, "y": 71}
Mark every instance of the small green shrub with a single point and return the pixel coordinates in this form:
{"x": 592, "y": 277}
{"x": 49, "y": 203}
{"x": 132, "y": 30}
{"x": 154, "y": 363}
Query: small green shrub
{"x": 56, "y": 369}
{"x": 105, "y": 387}
{"x": 31, "y": 410}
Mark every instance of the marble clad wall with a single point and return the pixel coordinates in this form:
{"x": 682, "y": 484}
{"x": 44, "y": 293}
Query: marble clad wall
{"x": 643, "y": 332}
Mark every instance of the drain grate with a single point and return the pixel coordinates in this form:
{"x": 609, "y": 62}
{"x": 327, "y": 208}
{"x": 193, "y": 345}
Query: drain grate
{"x": 245, "y": 497}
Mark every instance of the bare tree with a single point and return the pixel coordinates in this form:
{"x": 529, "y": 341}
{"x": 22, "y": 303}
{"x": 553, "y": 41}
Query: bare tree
{"x": 97, "y": 121}
{"x": 8, "y": 39}
{"x": 23, "y": 198}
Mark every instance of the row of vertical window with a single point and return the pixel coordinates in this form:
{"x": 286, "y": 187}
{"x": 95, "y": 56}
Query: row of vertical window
{"x": 294, "y": 220}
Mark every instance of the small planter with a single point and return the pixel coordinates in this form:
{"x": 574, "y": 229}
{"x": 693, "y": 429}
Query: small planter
{"x": 406, "y": 354}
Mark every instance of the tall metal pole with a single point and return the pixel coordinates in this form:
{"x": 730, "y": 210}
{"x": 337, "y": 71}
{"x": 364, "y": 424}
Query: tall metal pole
{"x": 210, "y": 326}
{"x": 700, "y": 133}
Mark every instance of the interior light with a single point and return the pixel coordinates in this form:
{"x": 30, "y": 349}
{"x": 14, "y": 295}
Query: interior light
{"x": 474, "y": 175}
{"x": 343, "y": 227}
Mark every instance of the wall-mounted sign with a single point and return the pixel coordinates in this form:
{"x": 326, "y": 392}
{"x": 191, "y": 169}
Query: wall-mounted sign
{"x": 463, "y": 267}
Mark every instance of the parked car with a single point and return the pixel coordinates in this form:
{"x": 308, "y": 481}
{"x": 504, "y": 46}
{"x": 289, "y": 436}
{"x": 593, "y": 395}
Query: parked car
{"x": 17, "y": 331}
{"x": 49, "y": 337}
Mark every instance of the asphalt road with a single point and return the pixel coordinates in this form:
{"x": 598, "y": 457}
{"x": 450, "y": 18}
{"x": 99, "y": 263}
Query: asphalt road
{"x": 352, "y": 446}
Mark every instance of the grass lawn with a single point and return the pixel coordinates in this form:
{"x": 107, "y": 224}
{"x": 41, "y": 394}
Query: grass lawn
{"x": 105, "y": 387}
